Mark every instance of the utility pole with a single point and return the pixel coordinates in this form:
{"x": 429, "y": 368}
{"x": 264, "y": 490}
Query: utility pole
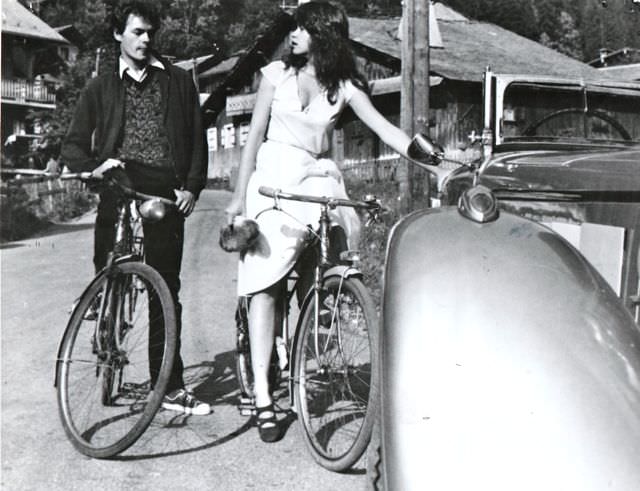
{"x": 96, "y": 72}
{"x": 414, "y": 95}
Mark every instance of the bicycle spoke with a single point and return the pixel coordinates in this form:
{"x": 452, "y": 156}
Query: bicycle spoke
{"x": 105, "y": 381}
{"x": 334, "y": 378}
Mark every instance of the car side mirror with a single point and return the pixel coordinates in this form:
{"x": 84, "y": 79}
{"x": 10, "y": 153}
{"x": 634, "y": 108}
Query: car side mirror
{"x": 424, "y": 150}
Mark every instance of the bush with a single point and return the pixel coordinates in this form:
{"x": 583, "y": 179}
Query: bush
{"x": 18, "y": 220}
{"x": 373, "y": 240}
{"x": 75, "y": 202}
{"x": 22, "y": 215}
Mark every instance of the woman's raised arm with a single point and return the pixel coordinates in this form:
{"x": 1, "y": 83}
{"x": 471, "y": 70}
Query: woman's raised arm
{"x": 388, "y": 133}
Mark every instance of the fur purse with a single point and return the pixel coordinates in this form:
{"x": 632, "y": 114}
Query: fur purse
{"x": 240, "y": 235}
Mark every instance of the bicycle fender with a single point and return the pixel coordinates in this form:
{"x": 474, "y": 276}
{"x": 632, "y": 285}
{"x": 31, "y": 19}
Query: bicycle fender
{"x": 342, "y": 271}
{"x": 97, "y": 278}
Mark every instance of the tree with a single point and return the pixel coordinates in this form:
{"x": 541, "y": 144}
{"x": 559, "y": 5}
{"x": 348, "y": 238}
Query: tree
{"x": 189, "y": 28}
{"x": 242, "y": 20}
{"x": 547, "y": 14}
{"x": 514, "y": 15}
{"x": 87, "y": 17}
{"x": 568, "y": 40}
{"x": 584, "y": 28}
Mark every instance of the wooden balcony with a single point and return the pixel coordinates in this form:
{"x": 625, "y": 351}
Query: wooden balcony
{"x": 22, "y": 92}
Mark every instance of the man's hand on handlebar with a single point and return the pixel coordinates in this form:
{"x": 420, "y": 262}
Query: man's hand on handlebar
{"x": 98, "y": 172}
{"x": 185, "y": 201}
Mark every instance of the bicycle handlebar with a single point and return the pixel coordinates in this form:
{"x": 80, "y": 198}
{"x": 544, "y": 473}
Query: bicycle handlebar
{"x": 374, "y": 204}
{"x": 129, "y": 193}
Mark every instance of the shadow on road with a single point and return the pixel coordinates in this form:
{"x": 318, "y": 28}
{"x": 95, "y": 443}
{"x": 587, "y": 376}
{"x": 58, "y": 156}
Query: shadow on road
{"x": 171, "y": 433}
{"x": 62, "y": 228}
{"x": 10, "y": 245}
{"x": 49, "y": 230}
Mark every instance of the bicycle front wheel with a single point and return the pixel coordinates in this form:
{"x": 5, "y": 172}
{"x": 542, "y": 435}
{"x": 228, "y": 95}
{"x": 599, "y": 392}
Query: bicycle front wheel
{"x": 244, "y": 371}
{"x": 335, "y": 380}
{"x": 115, "y": 359}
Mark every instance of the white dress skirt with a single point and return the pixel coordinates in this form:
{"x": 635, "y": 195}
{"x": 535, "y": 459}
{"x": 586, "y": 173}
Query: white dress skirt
{"x": 282, "y": 235}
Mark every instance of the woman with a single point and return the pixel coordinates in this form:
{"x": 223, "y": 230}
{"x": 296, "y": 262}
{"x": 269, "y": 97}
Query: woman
{"x": 297, "y": 105}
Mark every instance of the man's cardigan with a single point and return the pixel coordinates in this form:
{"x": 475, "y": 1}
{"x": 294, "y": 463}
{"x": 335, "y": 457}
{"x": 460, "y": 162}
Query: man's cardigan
{"x": 100, "y": 109}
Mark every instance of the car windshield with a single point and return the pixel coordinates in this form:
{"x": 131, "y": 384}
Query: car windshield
{"x": 569, "y": 113}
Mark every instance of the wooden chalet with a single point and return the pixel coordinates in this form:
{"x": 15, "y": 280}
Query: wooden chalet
{"x": 461, "y": 49}
{"x": 32, "y": 53}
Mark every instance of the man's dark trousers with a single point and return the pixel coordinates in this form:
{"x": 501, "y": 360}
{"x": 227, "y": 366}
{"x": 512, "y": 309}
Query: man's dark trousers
{"x": 163, "y": 248}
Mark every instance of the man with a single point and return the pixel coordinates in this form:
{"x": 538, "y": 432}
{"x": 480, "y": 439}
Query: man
{"x": 144, "y": 118}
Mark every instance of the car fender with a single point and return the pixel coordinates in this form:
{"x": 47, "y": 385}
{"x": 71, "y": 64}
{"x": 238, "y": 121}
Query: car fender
{"x": 507, "y": 361}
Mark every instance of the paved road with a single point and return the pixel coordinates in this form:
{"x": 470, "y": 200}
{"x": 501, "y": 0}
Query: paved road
{"x": 40, "y": 278}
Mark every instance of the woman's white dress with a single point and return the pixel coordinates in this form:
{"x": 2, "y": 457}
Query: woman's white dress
{"x": 292, "y": 159}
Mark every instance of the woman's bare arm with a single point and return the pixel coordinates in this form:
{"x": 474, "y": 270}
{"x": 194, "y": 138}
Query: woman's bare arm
{"x": 257, "y": 129}
{"x": 388, "y": 133}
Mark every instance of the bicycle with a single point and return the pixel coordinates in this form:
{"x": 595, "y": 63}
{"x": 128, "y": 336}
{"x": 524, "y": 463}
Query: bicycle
{"x": 106, "y": 397}
{"x": 329, "y": 357}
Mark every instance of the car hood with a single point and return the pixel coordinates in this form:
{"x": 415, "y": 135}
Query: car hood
{"x": 595, "y": 170}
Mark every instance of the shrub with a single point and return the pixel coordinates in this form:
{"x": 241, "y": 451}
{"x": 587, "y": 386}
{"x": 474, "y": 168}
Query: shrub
{"x": 373, "y": 240}
{"x": 25, "y": 214}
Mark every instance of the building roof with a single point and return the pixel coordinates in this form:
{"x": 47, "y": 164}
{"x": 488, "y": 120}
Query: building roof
{"x": 607, "y": 57}
{"x": 470, "y": 46}
{"x": 20, "y": 21}
{"x": 224, "y": 66}
{"x": 71, "y": 34}
{"x": 240, "y": 69}
{"x": 624, "y": 73}
{"x": 188, "y": 64}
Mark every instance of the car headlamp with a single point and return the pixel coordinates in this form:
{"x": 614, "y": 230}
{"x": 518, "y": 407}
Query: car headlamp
{"x": 478, "y": 204}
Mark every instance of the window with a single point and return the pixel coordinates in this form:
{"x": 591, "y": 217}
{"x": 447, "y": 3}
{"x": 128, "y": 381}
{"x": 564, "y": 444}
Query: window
{"x": 228, "y": 136}
{"x": 244, "y": 133}
{"x": 212, "y": 139}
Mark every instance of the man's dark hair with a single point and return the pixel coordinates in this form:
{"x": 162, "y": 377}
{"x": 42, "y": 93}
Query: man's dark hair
{"x": 121, "y": 13}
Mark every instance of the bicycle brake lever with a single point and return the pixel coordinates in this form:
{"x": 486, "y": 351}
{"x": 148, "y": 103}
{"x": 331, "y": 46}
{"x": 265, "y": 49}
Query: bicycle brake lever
{"x": 276, "y": 199}
{"x": 374, "y": 216}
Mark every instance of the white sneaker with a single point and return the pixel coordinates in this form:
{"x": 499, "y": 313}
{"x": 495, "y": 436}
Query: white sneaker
{"x": 182, "y": 401}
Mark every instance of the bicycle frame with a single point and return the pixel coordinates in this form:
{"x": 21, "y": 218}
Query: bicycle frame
{"x": 323, "y": 268}
{"x": 127, "y": 247}
{"x": 123, "y": 251}
{"x": 116, "y": 353}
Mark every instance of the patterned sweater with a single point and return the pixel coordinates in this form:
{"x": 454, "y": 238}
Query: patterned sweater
{"x": 99, "y": 118}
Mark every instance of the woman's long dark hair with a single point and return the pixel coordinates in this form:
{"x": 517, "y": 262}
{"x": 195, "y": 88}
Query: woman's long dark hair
{"x": 328, "y": 26}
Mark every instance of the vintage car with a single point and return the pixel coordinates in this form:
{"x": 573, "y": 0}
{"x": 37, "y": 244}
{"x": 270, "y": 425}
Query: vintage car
{"x": 510, "y": 349}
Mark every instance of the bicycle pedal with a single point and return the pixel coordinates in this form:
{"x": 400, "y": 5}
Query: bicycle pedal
{"x": 246, "y": 411}
{"x": 246, "y": 406}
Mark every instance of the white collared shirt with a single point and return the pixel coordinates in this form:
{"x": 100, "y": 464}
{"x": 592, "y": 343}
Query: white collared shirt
{"x": 134, "y": 73}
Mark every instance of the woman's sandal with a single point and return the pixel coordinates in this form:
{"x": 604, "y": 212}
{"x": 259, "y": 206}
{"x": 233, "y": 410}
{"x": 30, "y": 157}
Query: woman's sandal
{"x": 267, "y": 424}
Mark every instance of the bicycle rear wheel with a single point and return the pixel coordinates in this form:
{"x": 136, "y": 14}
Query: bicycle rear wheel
{"x": 122, "y": 330}
{"x": 244, "y": 370}
{"x": 335, "y": 381}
